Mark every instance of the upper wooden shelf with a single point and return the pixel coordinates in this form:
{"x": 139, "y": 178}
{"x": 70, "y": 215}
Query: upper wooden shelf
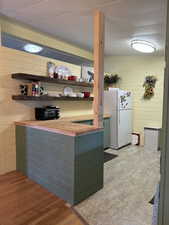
{"x": 24, "y": 76}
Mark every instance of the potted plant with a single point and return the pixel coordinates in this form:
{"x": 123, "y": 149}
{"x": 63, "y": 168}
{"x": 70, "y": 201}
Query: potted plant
{"x": 111, "y": 80}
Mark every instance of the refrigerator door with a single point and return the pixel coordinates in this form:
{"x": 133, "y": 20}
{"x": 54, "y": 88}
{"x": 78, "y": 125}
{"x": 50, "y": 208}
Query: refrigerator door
{"x": 110, "y": 106}
{"x": 118, "y": 104}
{"x": 110, "y": 101}
{"x": 125, "y": 100}
{"x": 124, "y": 127}
{"x": 114, "y": 130}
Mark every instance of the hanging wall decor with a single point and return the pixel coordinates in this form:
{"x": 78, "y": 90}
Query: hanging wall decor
{"x": 149, "y": 85}
{"x": 110, "y": 80}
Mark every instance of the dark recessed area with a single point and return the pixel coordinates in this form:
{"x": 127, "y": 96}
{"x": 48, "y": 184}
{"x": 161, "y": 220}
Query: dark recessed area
{"x": 109, "y": 156}
{"x": 14, "y": 42}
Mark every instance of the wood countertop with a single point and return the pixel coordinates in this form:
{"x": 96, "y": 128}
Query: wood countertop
{"x": 65, "y": 125}
{"x": 81, "y": 118}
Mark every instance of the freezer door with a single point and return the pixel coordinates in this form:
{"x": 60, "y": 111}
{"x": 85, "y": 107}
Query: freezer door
{"x": 124, "y": 127}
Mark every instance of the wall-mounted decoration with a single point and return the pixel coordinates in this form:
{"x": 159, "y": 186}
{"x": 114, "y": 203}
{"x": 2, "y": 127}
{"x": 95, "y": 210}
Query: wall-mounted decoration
{"x": 111, "y": 80}
{"x": 149, "y": 85}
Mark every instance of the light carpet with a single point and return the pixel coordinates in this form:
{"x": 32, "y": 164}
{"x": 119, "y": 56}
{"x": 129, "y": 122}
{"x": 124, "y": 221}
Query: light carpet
{"x": 129, "y": 184}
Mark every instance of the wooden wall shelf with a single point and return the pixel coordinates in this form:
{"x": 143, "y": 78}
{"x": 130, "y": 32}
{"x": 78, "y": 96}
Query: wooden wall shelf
{"x": 30, "y": 77}
{"x": 48, "y": 98}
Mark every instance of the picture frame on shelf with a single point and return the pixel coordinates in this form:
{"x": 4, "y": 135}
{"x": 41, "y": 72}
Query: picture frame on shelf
{"x": 87, "y": 74}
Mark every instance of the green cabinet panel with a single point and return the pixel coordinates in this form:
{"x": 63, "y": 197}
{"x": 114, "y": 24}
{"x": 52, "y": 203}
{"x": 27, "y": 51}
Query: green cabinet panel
{"x": 70, "y": 167}
{"x": 106, "y": 125}
{"x": 88, "y": 165}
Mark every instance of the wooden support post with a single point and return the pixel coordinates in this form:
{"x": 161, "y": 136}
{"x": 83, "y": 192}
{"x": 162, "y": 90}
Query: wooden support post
{"x": 98, "y": 68}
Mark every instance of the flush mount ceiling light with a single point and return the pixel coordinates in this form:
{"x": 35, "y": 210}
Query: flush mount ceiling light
{"x": 32, "y": 48}
{"x": 143, "y": 46}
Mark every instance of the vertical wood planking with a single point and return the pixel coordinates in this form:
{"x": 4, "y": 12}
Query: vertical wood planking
{"x": 98, "y": 68}
{"x": 13, "y": 61}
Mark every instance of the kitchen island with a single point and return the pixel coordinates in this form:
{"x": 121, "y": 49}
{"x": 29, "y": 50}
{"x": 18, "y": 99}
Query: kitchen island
{"x": 64, "y": 156}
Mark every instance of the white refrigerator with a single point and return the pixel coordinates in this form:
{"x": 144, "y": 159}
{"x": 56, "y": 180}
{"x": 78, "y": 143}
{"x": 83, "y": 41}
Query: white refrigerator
{"x": 118, "y": 104}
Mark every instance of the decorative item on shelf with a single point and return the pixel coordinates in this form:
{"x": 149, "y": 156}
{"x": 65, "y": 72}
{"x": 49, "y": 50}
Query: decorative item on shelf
{"x": 54, "y": 94}
{"x": 41, "y": 91}
{"x": 90, "y": 77}
{"x": 72, "y": 78}
{"x": 74, "y": 95}
{"x": 23, "y": 89}
{"x": 80, "y": 95}
{"x": 81, "y": 79}
{"x": 31, "y": 89}
{"x": 87, "y": 74}
{"x": 111, "y": 80}
{"x": 50, "y": 69}
{"x": 56, "y": 73}
{"x": 63, "y": 72}
{"x": 149, "y": 85}
{"x": 86, "y": 94}
{"x": 68, "y": 91}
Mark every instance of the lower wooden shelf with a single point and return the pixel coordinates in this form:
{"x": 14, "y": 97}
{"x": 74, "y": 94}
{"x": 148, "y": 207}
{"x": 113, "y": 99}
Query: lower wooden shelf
{"x": 49, "y": 98}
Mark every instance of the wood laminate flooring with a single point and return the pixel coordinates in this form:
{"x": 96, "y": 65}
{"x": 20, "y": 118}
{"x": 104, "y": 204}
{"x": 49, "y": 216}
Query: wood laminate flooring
{"x": 23, "y": 202}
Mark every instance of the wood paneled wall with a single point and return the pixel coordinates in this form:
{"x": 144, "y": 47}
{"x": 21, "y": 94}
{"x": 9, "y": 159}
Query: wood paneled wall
{"x": 13, "y": 61}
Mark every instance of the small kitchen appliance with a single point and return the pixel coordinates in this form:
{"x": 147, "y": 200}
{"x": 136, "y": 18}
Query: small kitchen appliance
{"x": 47, "y": 113}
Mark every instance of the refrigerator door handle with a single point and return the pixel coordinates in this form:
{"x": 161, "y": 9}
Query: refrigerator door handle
{"x": 119, "y": 111}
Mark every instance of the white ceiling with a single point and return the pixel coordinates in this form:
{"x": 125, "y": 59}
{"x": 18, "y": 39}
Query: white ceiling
{"x": 71, "y": 20}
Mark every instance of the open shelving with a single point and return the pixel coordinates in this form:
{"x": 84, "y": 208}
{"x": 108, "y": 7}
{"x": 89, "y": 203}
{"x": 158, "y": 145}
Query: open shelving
{"x": 30, "y": 77}
{"x": 36, "y": 78}
{"x": 49, "y": 98}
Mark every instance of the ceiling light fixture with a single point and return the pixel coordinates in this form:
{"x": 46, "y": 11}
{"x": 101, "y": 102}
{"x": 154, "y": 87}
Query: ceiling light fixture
{"x": 32, "y": 48}
{"x": 143, "y": 46}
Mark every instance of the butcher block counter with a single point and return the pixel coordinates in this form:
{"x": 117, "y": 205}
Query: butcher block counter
{"x": 64, "y": 156}
{"x": 66, "y": 125}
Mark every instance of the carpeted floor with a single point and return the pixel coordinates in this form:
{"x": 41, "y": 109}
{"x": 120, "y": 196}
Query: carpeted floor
{"x": 129, "y": 183}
